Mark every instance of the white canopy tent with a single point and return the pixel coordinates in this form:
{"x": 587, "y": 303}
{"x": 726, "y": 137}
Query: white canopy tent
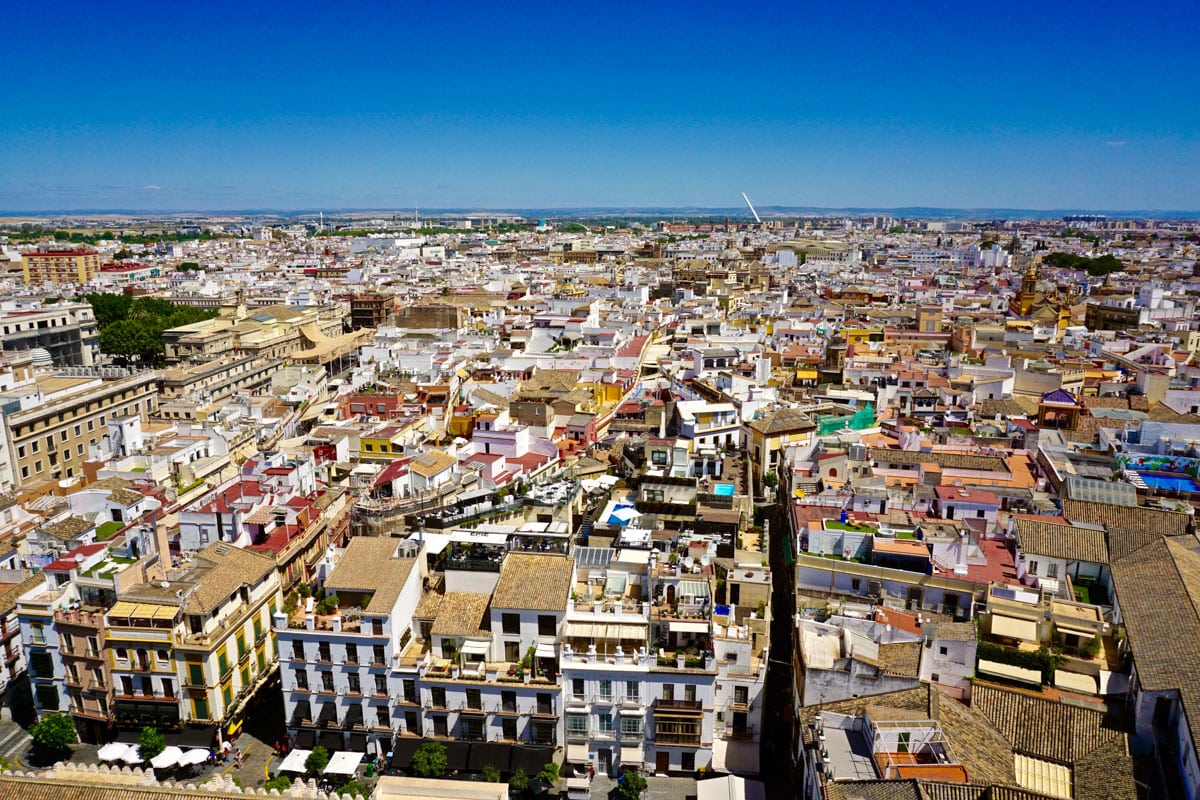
{"x": 343, "y": 763}
{"x": 294, "y": 761}
{"x": 113, "y": 751}
{"x": 168, "y": 758}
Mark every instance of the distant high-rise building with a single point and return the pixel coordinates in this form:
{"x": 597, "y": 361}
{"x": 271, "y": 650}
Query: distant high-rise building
{"x": 59, "y": 267}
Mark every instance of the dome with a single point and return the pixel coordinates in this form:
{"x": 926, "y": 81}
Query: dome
{"x": 730, "y": 254}
{"x": 41, "y": 357}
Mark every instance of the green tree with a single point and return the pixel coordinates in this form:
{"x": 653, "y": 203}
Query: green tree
{"x": 109, "y": 308}
{"x": 280, "y": 782}
{"x": 489, "y": 774}
{"x": 189, "y": 266}
{"x": 132, "y": 339}
{"x": 519, "y": 782}
{"x": 632, "y": 787}
{"x": 430, "y": 760}
{"x": 318, "y": 759}
{"x": 549, "y": 773}
{"x": 354, "y": 788}
{"x": 150, "y": 743}
{"x": 54, "y": 733}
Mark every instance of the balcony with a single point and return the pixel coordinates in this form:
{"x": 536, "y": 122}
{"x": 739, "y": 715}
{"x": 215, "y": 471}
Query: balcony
{"x": 678, "y": 705}
{"x": 738, "y": 733}
{"x": 686, "y": 739}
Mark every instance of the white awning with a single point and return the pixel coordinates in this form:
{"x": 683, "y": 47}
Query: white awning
{"x": 294, "y": 762}
{"x": 633, "y": 712}
{"x": 1024, "y": 629}
{"x": 343, "y": 763}
{"x": 632, "y": 756}
{"x": 679, "y": 626}
{"x": 598, "y": 630}
{"x": 1083, "y": 632}
{"x": 471, "y": 648}
{"x": 1075, "y": 682}
{"x": 545, "y": 650}
{"x": 577, "y": 753}
{"x": 1009, "y": 671}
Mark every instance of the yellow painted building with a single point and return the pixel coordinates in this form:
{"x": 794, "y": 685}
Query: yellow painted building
{"x": 59, "y": 267}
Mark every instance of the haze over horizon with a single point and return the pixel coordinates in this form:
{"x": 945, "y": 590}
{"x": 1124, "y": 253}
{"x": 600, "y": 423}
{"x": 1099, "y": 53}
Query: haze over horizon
{"x": 310, "y": 105}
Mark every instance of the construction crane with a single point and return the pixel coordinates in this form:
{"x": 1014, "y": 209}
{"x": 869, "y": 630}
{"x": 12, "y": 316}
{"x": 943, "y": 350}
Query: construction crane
{"x": 752, "y": 211}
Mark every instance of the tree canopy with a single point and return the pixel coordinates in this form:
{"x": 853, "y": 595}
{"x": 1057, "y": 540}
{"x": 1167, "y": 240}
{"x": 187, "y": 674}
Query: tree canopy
{"x": 150, "y": 743}
{"x": 131, "y": 328}
{"x": 430, "y": 760}
{"x": 54, "y": 733}
{"x": 1099, "y": 266}
{"x": 632, "y": 786}
{"x": 318, "y": 759}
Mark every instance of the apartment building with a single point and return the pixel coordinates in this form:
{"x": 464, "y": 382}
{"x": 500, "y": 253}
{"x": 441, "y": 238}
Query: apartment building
{"x": 67, "y": 331}
{"x": 335, "y": 668}
{"x": 51, "y": 422}
{"x": 59, "y": 267}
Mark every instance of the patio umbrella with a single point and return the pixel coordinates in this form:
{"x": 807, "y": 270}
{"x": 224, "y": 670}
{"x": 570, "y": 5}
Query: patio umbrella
{"x": 193, "y": 757}
{"x": 131, "y": 755}
{"x": 168, "y": 758}
{"x": 113, "y": 751}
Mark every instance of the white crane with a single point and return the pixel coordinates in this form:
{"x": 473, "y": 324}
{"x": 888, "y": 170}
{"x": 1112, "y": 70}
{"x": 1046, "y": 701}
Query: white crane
{"x": 752, "y": 211}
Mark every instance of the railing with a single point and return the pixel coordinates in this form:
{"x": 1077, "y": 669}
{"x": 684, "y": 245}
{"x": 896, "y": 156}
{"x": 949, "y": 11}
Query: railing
{"x": 692, "y": 739}
{"x": 744, "y": 732}
{"x": 679, "y": 705}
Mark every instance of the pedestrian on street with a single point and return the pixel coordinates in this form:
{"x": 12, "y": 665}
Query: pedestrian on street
{"x": 237, "y": 757}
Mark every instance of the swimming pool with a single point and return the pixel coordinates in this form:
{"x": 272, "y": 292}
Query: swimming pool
{"x": 723, "y": 490}
{"x": 1172, "y": 481}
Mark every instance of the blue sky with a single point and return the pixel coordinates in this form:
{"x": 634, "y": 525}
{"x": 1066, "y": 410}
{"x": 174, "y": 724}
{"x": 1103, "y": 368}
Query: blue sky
{"x": 219, "y": 105}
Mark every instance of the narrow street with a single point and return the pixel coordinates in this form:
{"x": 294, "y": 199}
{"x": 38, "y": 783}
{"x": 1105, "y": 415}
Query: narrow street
{"x": 775, "y": 758}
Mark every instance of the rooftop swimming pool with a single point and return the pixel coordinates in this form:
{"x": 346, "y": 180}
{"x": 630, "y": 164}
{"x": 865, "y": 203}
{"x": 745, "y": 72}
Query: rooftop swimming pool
{"x": 1171, "y": 481}
{"x": 723, "y": 490}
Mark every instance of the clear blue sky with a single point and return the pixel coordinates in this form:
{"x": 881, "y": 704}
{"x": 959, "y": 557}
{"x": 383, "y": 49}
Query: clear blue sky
{"x": 219, "y": 105}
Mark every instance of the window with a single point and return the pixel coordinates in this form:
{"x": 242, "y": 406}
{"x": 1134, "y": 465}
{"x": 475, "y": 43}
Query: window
{"x": 606, "y": 690}
{"x": 474, "y": 699}
{"x": 410, "y": 690}
{"x": 379, "y": 654}
{"x": 577, "y": 689}
{"x": 227, "y": 695}
{"x": 936, "y": 678}
{"x": 632, "y": 690}
{"x": 577, "y": 724}
{"x": 241, "y": 646}
{"x": 902, "y": 739}
{"x": 547, "y": 625}
{"x": 438, "y": 696}
{"x": 981, "y": 513}
{"x": 439, "y": 726}
{"x": 67, "y": 641}
{"x": 631, "y": 727}
{"x": 302, "y": 679}
{"x": 355, "y": 685}
{"x": 512, "y": 651}
{"x": 508, "y": 729}
{"x": 511, "y": 623}
{"x": 689, "y": 692}
{"x": 687, "y": 762}
{"x": 327, "y": 681}
{"x": 508, "y": 701}
{"x": 298, "y": 650}
{"x": 381, "y": 684}
{"x": 222, "y": 662}
{"x": 741, "y": 695}
{"x": 471, "y": 727}
{"x": 196, "y": 673}
{"x": 1052, "y": 569}
{"x": 1033, "y": 568}
{"x": 168, "y": 687}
